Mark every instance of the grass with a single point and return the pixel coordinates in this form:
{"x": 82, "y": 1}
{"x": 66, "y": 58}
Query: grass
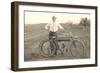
{"x": 35, "y": 33}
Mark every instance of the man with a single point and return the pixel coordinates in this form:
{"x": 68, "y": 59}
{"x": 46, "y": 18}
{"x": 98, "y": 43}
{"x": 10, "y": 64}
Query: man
{"x": 53, "y": 28}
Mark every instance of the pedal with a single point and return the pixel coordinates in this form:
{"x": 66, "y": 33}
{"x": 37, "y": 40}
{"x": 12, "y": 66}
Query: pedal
{"x": 63, "y": 45}
{"x": 53, "y": 37}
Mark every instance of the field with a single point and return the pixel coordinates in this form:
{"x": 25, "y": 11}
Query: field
{"x": 35, "y": 33}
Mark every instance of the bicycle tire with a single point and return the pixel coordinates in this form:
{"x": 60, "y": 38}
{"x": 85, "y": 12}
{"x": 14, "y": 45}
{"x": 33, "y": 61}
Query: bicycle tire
{"x": 46, "y": 52}
{"x": 77, "y": 49}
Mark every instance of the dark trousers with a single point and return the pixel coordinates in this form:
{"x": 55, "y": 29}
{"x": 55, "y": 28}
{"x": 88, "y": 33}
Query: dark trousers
{"x": 53, "y": 41}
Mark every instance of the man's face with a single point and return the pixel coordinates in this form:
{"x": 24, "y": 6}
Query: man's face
{"x": 54, "y": 19}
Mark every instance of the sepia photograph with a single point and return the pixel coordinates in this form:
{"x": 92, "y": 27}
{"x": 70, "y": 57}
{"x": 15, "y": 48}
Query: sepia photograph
{"x": 52, "y": 36}
{"x": 56, "y": 35}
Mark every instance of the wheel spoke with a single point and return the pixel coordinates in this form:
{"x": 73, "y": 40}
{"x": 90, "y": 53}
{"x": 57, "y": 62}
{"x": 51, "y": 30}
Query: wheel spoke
{"x": 46, "y": 49}
{"x": 77, "y": 49}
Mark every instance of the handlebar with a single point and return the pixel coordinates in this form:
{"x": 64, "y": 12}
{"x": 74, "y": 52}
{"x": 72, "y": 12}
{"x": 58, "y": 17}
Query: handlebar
{"x": 71, "y": 34}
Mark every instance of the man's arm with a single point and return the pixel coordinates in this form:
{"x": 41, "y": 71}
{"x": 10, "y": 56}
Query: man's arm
{"x": 60, "y": 26}
{"x": 46, "y": 26}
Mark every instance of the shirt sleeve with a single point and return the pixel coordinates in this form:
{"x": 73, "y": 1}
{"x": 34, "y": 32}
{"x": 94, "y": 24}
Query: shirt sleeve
{"x": 46, "y": 26}
{"x": 60, "y": 26}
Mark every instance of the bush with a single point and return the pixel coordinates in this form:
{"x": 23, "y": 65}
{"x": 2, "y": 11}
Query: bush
{"x": 85, "y": 22}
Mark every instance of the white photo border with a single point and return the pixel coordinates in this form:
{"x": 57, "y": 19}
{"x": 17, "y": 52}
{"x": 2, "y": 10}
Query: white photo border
{"x": 33, "y": 64}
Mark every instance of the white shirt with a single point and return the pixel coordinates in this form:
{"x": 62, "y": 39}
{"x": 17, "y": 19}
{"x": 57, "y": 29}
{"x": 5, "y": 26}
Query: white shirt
{"x": 53, "y": 26}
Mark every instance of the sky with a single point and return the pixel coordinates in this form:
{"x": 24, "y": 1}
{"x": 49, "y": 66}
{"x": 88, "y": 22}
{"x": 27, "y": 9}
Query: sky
{"x": 45, "y": 17}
